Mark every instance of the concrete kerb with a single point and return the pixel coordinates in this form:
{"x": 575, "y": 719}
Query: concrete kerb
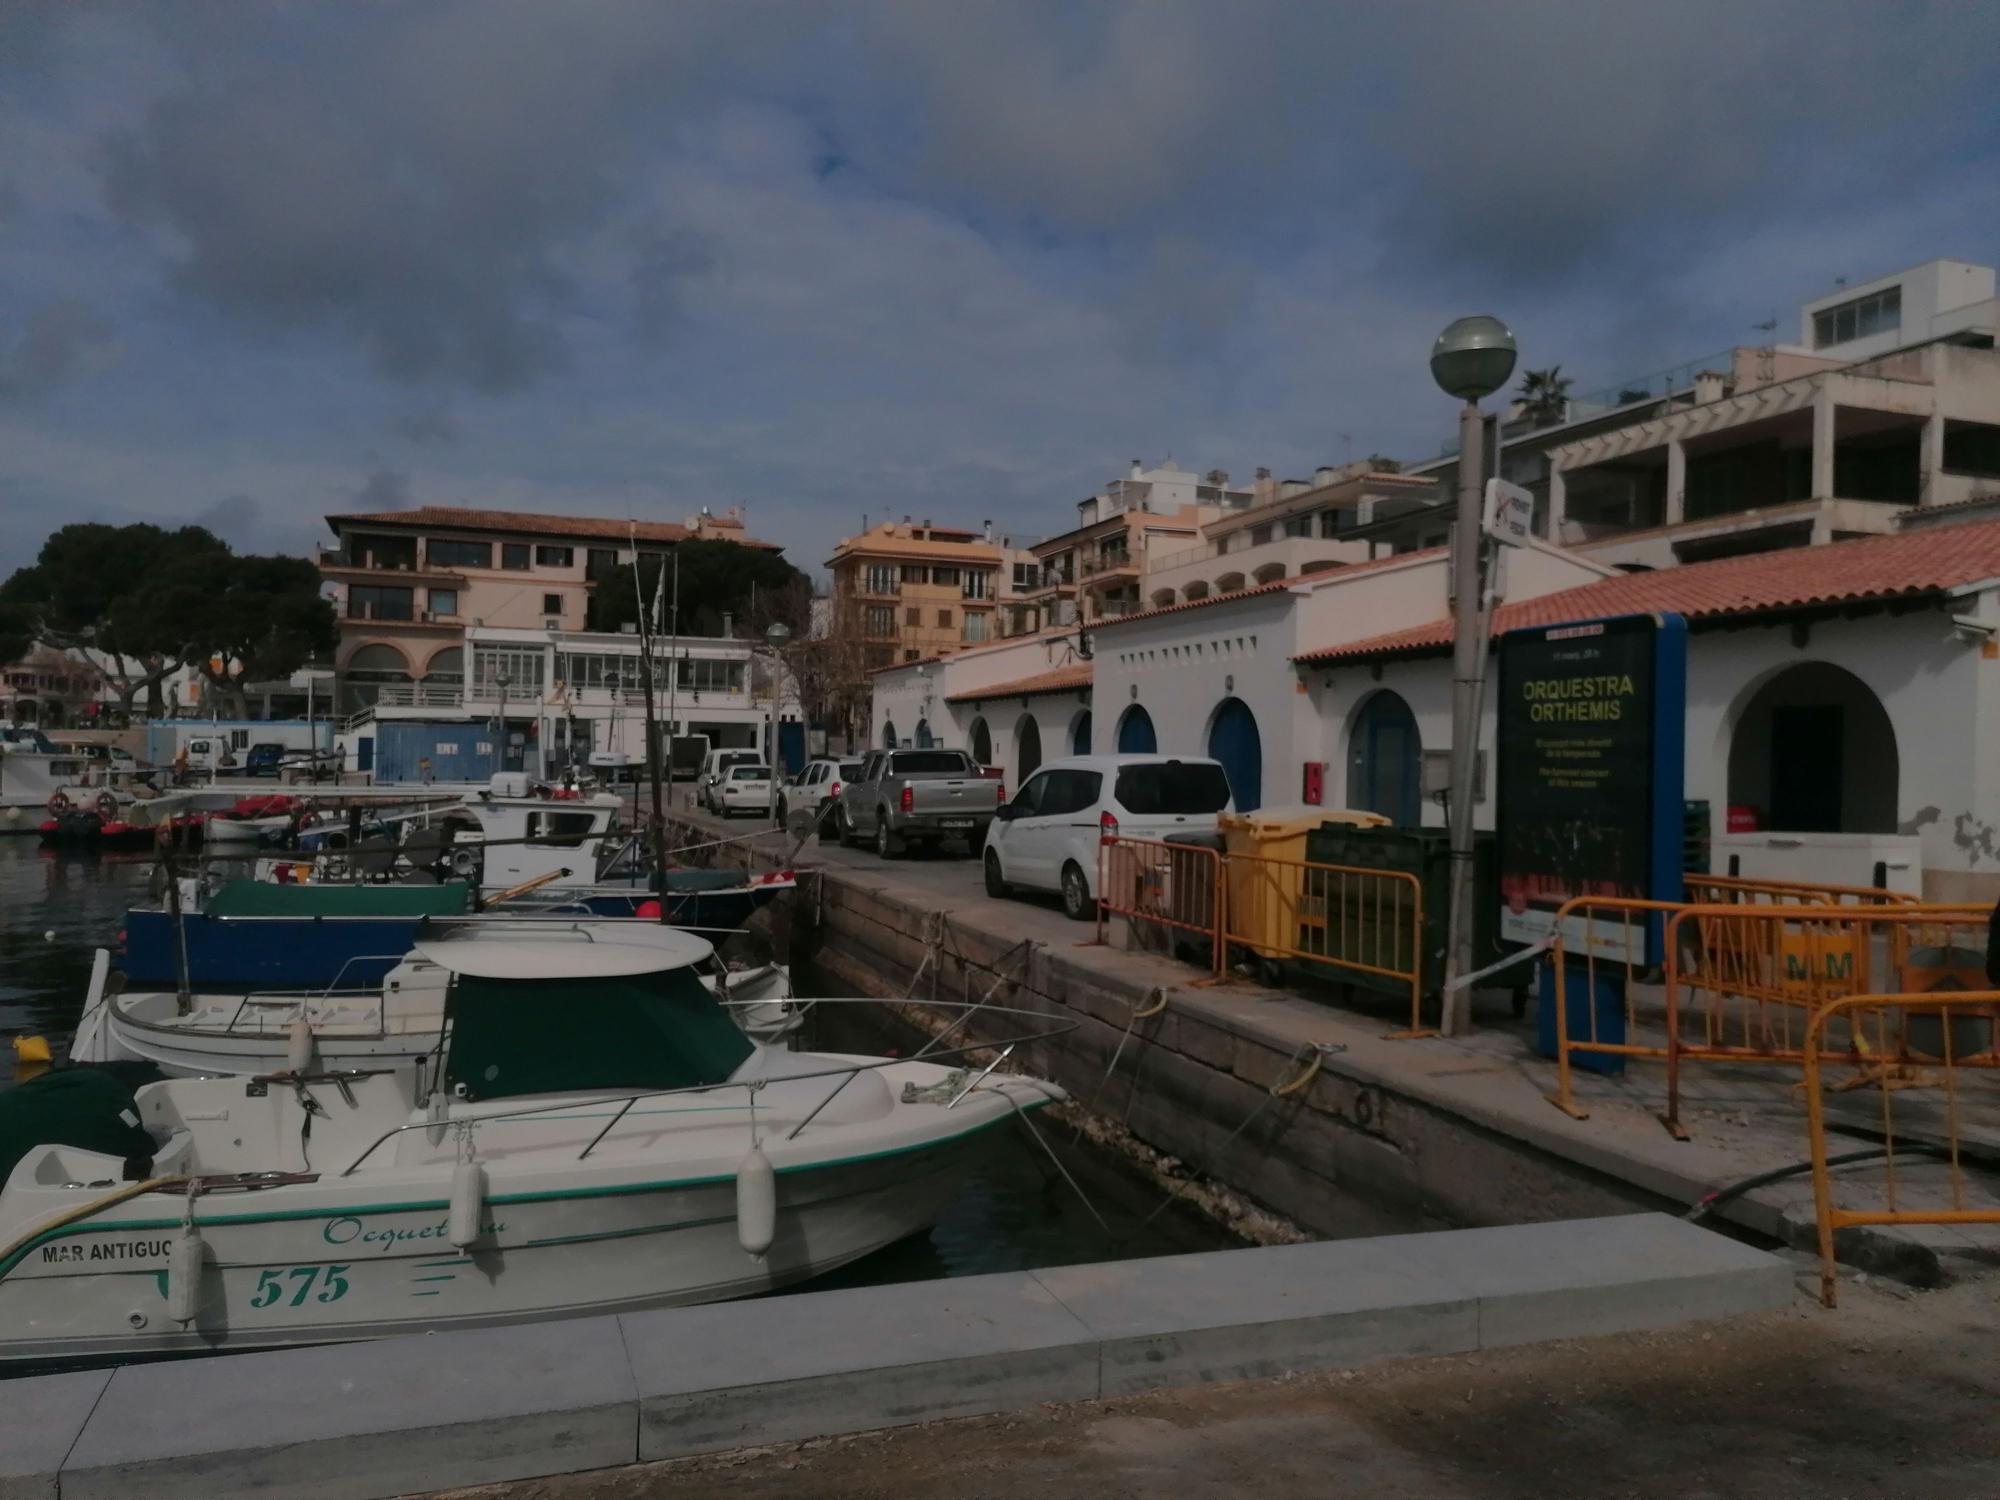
{"x": 401, "y": 1416}
{"x": 40, "y": 1422}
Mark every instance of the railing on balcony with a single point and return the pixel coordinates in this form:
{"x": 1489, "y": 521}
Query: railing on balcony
{"x": 420, "y": 695}
{"x": 340, "y": 557}
{"x": 1109, "y": 562}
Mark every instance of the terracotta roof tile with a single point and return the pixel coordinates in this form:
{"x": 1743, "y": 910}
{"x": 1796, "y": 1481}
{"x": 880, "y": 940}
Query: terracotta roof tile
{"x": 459, "y": 518}
{"x": 1876, "y": 567}
{"x": 1325, "y": 575}
{"x": 1062, "y": 680}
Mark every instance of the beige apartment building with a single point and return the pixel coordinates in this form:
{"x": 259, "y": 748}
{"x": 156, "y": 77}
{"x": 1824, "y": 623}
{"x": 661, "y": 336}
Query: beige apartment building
{"x": 407, "y": 584}
{"x": 912, "y": 590}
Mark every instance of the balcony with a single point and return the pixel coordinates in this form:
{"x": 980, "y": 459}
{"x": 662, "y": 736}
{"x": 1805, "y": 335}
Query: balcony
{"x": 1109, "y": 566}
{"x": 420, "y": 695}
{"x": 337, "y": 561}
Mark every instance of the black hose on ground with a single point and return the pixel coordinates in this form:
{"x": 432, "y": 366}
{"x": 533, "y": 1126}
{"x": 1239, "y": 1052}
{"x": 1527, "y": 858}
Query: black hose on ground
{"x": 1709, "y": 1202}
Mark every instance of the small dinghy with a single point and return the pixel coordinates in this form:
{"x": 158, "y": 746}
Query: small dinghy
{"x": 590, "y": 1134}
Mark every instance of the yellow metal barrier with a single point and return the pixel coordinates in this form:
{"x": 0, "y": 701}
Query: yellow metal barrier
{"x": 1173, "y": 886}
{"x": 1365, "y": 921}
{"x": 1614, "y": 930}
{"x": 1936, "y": 1040}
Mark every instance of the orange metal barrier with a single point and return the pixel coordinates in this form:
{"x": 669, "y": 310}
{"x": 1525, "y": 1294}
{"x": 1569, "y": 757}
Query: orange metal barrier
{"x": 1741, "y": 980}
{"x": 1365, "y": 921}
{"x": 1714, "y": 890}
{"x": 1949, "y": 1042}
{"x": 1178, "y": 887}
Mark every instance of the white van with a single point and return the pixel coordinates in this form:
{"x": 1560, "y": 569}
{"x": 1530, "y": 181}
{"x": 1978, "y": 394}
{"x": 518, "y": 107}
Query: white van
{"x": 1046, "y": 838}
{"x": 713, "y": 767}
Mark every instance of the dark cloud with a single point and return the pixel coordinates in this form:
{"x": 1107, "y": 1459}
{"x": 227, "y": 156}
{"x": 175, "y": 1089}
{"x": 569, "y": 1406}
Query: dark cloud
{"x": 60, "y": 341}
{"x": 665, "y": 266}
{"x": 234, "y": 518}
{"x": 425, "y": 426}
{"x": 409, "y": 178}
{"x": 385, "y": 489}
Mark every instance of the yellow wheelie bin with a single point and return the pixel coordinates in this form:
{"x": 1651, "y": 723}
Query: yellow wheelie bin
{"x": 1277, "y": 908}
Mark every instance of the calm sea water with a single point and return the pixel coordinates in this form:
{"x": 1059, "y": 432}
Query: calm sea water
{"x": 1015, "y": 1214}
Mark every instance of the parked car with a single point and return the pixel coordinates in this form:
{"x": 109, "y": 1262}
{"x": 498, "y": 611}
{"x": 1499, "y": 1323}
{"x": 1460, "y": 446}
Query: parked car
{"x": 814, "y": 789}
{"x": 312, "y": 765}
{"x": 745, "y": 787}
{"x": 902, "y": 797}
{"x": 713, "y": 765}
{"x": 206, "y": 754}
{"x": 264, "y": 758}
{"x": 1047, "y": 838}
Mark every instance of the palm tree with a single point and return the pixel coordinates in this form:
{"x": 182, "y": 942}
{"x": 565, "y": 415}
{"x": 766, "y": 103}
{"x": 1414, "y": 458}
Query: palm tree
{"x": 1544, "y": 396}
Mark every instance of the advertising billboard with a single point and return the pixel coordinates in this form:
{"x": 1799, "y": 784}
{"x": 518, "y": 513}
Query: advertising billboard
{"x": 1590, "y": 730}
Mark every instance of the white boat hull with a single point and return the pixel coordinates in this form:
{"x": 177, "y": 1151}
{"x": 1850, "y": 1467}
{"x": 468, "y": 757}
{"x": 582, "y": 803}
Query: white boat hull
{"x": 644, "y": 1223}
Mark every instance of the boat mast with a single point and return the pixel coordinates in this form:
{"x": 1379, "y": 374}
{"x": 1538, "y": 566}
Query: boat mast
{"x": 659, "y": 820}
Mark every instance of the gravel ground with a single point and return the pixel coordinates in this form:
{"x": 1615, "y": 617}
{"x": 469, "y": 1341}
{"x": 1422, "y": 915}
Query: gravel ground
{"x": 1892, "y": 1397}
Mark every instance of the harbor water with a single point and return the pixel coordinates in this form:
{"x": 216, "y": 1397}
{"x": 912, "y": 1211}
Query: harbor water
{"x": 1016, "y": 1213}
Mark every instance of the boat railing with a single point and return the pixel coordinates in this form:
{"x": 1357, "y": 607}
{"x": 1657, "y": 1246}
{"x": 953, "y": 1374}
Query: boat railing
{"x": 285, "y": 999}
{"x": 845, "y": 1072}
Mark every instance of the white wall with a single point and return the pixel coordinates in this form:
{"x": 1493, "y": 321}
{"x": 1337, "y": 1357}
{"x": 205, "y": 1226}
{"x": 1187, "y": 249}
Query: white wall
{"x": 1940, "y": 693}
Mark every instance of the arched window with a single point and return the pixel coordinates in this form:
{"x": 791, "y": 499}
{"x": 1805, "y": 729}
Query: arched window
{"x": 1814, "y": 751}
{"x": 888, "y": 734}
{"x": 367, "y": 672}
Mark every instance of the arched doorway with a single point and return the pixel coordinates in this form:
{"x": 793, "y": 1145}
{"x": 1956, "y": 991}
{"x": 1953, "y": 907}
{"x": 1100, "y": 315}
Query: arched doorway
{"x": 1385, "y": 760}
{"x": 888, "y": 734}
{"x": 923, "y": 739}
{"x": 1079, "y": 734}
{"x": 1233, "y": 740}
{"x": 1027, "y": 748}
{"x": 1813, "y": 751}
{"x": 367, "y": 672}
{"x": 1135, "y": 733}
{"x": 982, "y": 742}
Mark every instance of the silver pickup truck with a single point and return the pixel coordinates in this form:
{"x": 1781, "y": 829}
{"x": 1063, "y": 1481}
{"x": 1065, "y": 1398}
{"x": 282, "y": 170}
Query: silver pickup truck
{"x": 905, "y": 797}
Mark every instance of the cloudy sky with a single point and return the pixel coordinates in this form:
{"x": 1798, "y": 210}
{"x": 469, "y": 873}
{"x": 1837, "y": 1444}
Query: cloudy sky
{"x": 262, "y": 261}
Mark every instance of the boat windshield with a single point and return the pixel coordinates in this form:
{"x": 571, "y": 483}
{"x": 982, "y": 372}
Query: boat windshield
{"x": 511, "y": 1037}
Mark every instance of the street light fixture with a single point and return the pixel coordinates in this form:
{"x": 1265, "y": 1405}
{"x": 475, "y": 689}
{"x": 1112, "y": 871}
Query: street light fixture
{"x": 1471, "y": 359}
{"x": 776, "y": 634}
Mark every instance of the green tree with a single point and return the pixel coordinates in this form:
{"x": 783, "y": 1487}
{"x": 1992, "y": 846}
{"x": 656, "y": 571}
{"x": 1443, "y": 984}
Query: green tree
{"x": 260, "y": 618}
{"x": 1544, "y": 395}
{"x": 124, "y": 591}
{"x": 754, "y": 587}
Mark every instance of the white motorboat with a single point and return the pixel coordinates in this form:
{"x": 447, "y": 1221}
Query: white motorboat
{"x": 591, "y": 1135}
{"x": 37, "y": 779}
{"x": 397, "y": 1021}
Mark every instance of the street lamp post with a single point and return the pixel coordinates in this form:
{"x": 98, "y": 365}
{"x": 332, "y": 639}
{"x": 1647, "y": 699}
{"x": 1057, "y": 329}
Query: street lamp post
{"x": 503, "y": 682}
{"x": 775, "y": 636}
{"x": 1472, "y": 358}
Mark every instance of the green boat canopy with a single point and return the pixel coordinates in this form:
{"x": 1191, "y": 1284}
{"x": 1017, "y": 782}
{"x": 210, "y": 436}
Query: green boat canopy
{"x": 263, "y": 898}
{"x": 662, "y": 1030}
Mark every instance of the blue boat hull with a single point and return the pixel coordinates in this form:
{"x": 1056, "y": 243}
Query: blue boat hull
{"x": 309, "y": 953}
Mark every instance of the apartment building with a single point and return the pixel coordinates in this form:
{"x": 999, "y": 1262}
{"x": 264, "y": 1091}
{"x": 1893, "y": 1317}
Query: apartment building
{"x": 407, "y": 584}
{"x": 1094, "y": 570}
{"x": 1889, "y": 403}
{"x": 912, "y": 589}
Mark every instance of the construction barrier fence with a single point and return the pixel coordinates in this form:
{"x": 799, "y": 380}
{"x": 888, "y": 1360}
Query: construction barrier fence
{"x": 1932, "y": 1108}
{"x": 1270, "y": 912}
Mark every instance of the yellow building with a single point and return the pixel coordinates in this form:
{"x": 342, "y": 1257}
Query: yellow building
{"x": 911, "y": 589}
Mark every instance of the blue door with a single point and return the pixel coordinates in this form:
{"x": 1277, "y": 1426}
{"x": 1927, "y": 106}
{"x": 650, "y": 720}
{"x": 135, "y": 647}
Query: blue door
{"x": 364, "y": 753}
{"x": 792, "y": 746}
{"x": 1079, "y": 740}
{"x": 1233, "y": 740}
{"x": 1385, "y": 761}
{"x": 1135, "y": 733}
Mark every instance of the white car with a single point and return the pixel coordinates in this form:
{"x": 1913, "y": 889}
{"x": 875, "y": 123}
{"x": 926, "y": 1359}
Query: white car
{"x": 707, "y": 789}
{"x": 744, "y": 788}
{"x": 1047, "y": 838}
{"x": 817, "y": 784}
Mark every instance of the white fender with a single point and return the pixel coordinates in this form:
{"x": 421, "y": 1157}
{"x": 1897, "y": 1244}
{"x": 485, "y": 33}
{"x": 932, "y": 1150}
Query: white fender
{"x": 468, "y": 1202}
{"x": 298, "y": 1045}
{"x": 756, "y": 1202}
{"x": 187, "y": 1259}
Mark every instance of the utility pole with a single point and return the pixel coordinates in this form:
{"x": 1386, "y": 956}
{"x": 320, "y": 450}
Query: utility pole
{"x": 1472, "y": 358}
{"x": 658, "y": 827}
